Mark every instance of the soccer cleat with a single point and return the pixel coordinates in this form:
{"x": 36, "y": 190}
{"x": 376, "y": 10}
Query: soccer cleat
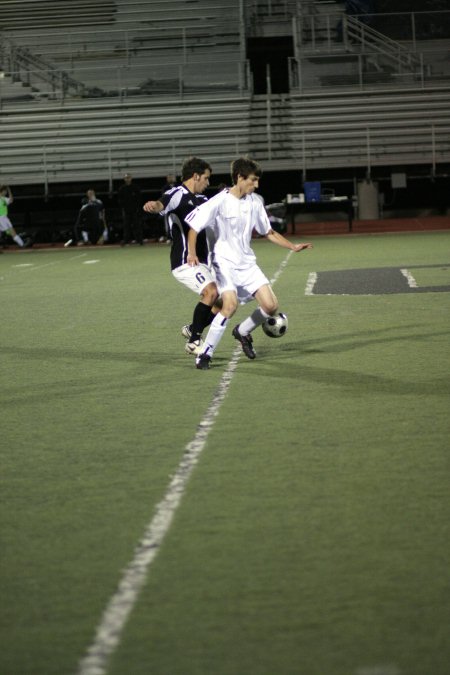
{"x": 203, "y": 361}
{"x": 193, "y": 347}
{"x": 186, "y": 332}
{"x": 246, "y": 343}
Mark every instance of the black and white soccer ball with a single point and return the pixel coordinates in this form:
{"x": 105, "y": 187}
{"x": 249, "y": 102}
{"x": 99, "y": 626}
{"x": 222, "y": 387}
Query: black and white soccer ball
{"x": 276, "y": 326}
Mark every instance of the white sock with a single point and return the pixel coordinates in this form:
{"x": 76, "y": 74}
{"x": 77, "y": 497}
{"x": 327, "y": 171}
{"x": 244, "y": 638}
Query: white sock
{"x": 253, "y": 321}
{"x": 216, "y": 330}
{"x": 85, "y": 236}
{"x": 19, "y": 241}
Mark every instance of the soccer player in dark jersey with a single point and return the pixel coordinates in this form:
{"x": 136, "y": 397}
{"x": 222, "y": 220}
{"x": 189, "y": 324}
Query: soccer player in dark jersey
{"x": 175, "y": 204}
{"x": 91, "y": 221}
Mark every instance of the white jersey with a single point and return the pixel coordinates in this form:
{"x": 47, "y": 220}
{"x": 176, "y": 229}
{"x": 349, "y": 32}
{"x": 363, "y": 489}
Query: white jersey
{"x": 232, "y": 221}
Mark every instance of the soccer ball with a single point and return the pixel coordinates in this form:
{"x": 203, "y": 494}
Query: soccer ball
{"x": 275, "y": 326}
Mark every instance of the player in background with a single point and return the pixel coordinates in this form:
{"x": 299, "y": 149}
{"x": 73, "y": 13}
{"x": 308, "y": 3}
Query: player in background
{"x": 175, "y": 204}
{"x": 91, "y": 220}
{"x": 6, "y": 198}
{"x": 233, "y": 214}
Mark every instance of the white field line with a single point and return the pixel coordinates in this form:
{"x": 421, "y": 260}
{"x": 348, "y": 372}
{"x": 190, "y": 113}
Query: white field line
{"x": 116, "y": 614}
{"x": 312, "y": 280}
{"x": 412, "y": 283}
{"x": 33, "y": 268}
{"x": 29, "y": 267}
{"x": 57, "y": 262}
{"x": 388, "y": 669}
{"x": 280, "y": 270}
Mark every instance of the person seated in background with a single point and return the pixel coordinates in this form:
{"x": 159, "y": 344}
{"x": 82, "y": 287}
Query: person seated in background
{"x": 90, "y": 223}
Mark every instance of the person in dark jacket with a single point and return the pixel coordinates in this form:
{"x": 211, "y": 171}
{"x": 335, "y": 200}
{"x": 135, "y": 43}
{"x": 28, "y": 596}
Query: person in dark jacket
{"x": 130, "y": 202}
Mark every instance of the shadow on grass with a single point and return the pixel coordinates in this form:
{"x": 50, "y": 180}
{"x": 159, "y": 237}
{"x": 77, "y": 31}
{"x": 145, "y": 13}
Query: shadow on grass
{"x": 281, "y": 364}
{"x": 71, "y": 373}
{"x": 275, "y": 362}
{"x": 336, "y": 344}
{"x": 353, "y": 381}
{"x": 71, "y": 354}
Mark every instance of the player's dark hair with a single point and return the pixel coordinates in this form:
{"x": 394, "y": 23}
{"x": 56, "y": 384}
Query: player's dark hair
{"x": 244, "y": 167}
{"x": 193, "y": 165}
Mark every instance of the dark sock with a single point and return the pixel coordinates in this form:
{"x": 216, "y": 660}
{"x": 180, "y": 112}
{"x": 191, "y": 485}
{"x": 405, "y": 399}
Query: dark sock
{"x": 200, "y": 320}
{"x": 210, "y": 318}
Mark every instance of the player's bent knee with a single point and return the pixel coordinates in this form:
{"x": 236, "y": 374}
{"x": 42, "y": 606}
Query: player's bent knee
{"x": 271, "y": 308}
{"x": 210, "y": 294}
{"x": 229, "y": 308}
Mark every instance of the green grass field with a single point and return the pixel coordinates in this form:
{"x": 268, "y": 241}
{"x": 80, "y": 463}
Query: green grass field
{"x": 313, "y": 535}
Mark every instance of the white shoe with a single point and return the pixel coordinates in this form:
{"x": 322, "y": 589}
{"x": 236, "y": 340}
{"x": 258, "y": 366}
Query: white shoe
{"x": 186, "y": 332}
{"x": 193, "y": 347}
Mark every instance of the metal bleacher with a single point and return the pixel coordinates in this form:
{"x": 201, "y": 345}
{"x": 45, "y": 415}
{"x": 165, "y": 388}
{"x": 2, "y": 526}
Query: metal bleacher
{"x": 150, "y": 46}
{"x": 87, "y": 140}
{"x": 344, "y": 130}
{"x": 157, "y": 81}
{"x": 147, "y": 83}
{"x": 29, "y": 15}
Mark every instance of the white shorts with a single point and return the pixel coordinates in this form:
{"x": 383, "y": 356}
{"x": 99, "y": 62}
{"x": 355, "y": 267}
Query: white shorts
{"x": 5, "y": 224}
{"x": 245, "y": 282}
{"x": 195, "y": 278}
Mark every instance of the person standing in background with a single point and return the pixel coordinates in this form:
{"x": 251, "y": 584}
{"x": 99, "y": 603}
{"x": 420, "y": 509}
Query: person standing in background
{"x": 130, "y": 201}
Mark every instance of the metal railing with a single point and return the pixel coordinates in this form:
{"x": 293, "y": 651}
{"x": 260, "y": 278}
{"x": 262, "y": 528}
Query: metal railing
{"x": 126, "y": 44}
{"x": 364, "y": 147}
{"x": 325, "y": 32}
{"x": 34, "y": 71}
{"x": 124, "y": 62}
{"x": 362, "y": 72}
{"x": 359, "y": 36}
{"x": 122, "y": 82}
{"x": 308, "y": 132}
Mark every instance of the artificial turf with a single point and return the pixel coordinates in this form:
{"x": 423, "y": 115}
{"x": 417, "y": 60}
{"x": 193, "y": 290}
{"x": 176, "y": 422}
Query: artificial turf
{"x": 313, "y": 535}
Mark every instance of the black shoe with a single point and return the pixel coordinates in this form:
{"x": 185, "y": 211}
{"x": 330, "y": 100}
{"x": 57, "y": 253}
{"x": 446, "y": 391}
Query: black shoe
{"x": 246, "y": 343}
{"x": 203, "y": 361}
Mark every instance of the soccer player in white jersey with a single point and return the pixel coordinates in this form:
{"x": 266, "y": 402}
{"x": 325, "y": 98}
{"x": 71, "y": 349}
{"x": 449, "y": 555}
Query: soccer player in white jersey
{"x": 233, "y": 214}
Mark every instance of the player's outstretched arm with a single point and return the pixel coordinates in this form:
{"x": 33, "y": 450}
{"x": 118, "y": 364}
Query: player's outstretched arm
{"x": 153, "y": 206}
{"x": 278, "y": 238}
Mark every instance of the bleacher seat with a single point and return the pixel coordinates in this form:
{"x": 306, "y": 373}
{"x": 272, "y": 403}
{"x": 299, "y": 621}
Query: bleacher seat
{"x": 170, "y": 79}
